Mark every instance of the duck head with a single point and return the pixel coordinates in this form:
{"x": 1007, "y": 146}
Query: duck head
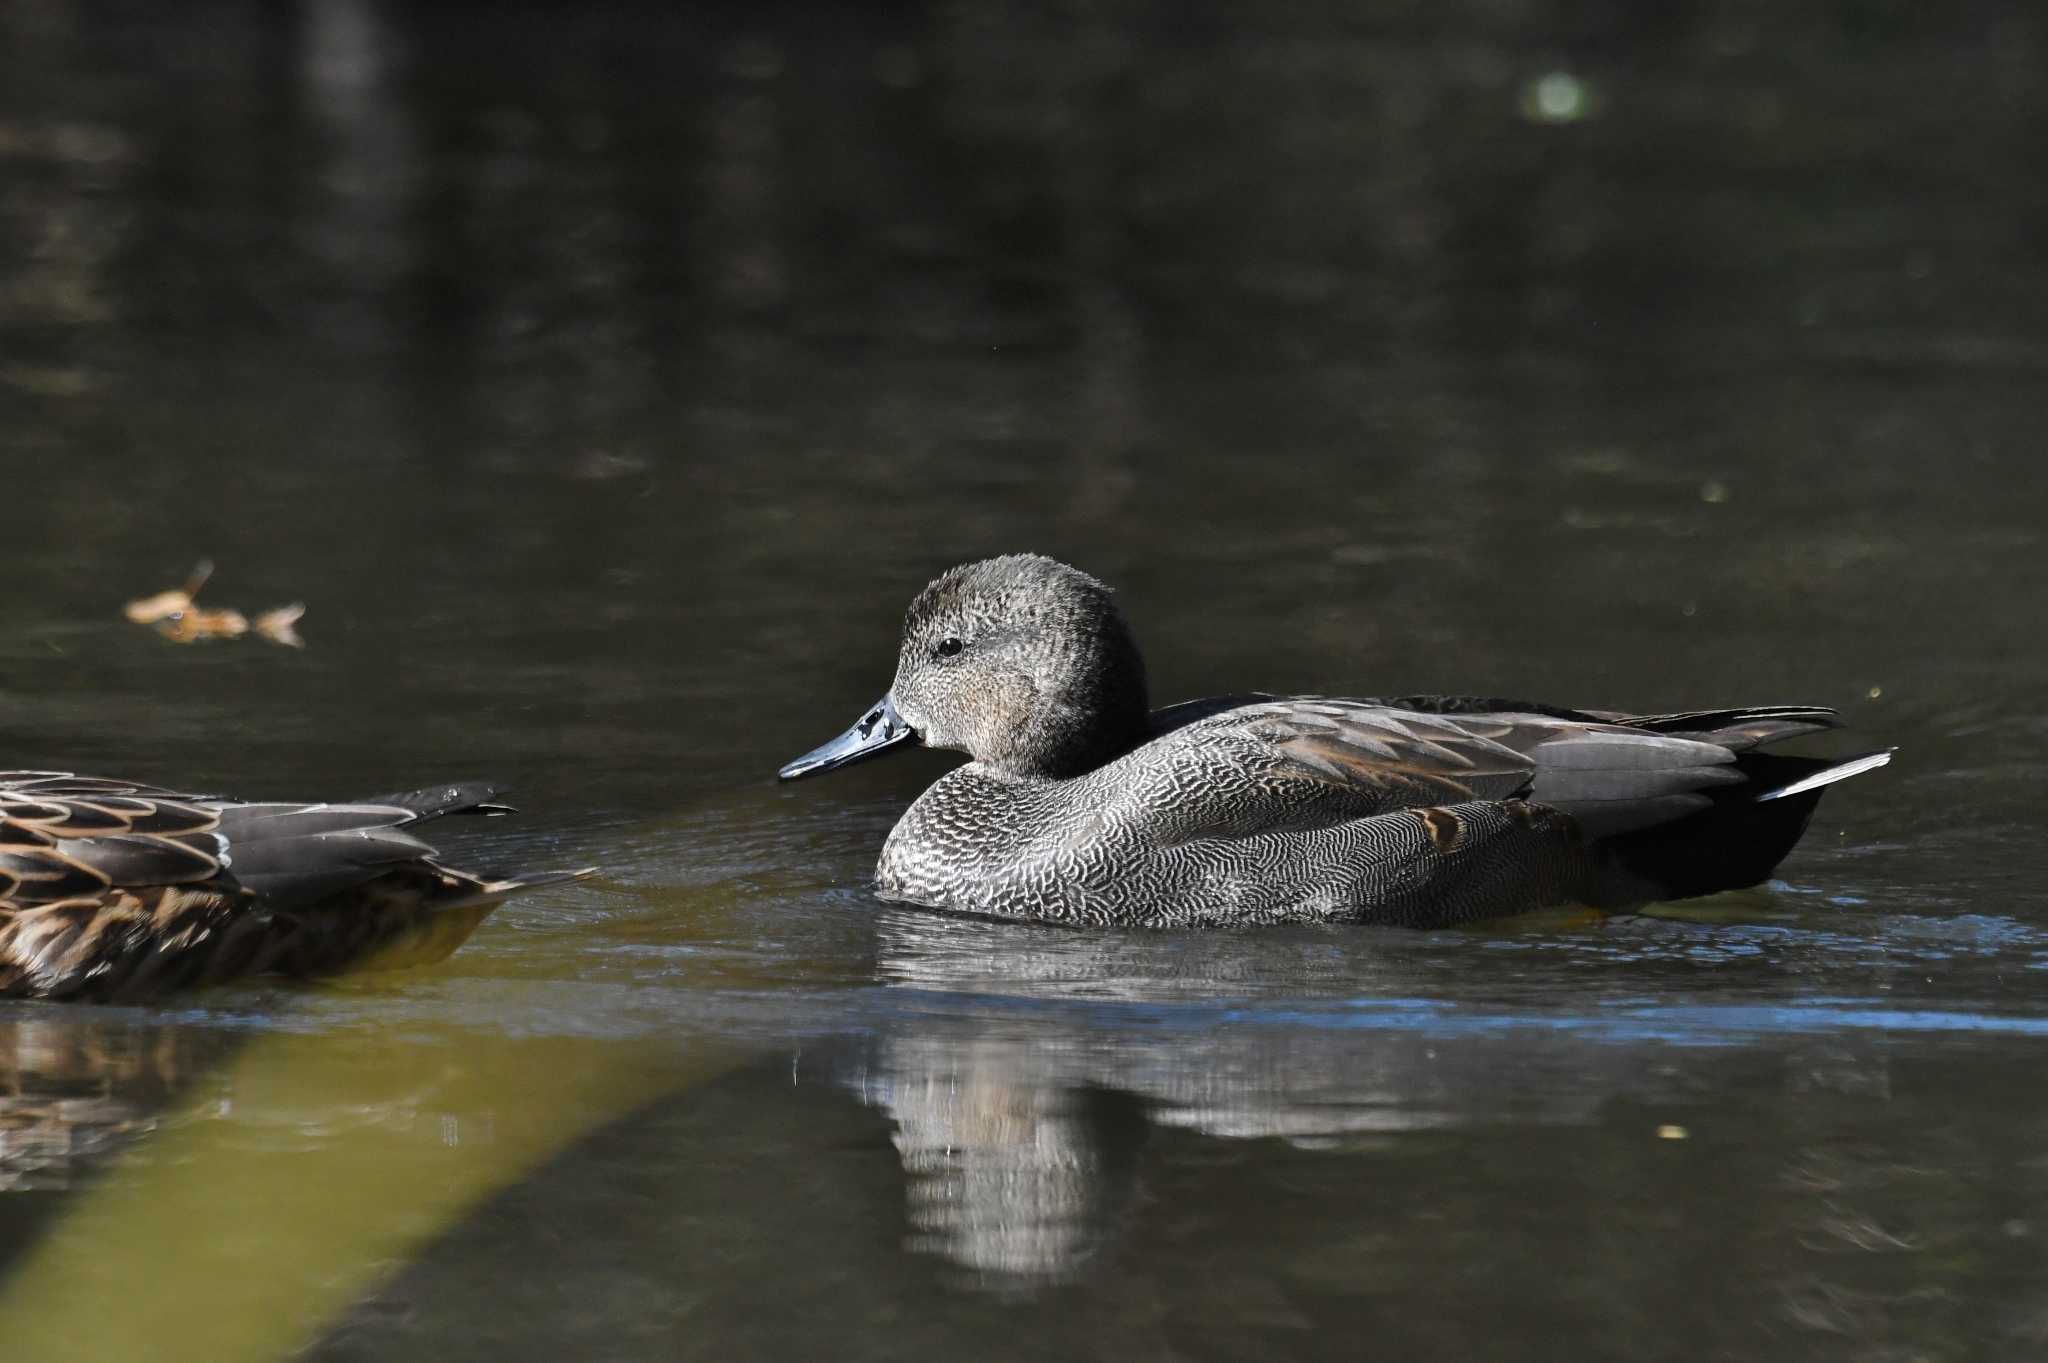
{"x": 1021, "y": 662}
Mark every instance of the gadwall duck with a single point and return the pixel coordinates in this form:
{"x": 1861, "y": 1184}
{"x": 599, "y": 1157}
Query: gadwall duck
{"x": 111, "y": 890}
{"x": 1081, "y": 804}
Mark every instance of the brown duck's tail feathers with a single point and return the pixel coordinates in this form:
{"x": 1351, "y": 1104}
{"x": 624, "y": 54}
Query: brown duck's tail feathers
{"x": 533, "y": 880}
{"x": 492, "y": 888}
{"x": 434, "y": 802}
{"x": 421, "y": 916}
{"x": 1828, "y": 775}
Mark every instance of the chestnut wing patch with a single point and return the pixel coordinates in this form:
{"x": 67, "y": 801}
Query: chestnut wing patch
{"x": 1401, "y": 758}
{"x": 1611, "y": 778}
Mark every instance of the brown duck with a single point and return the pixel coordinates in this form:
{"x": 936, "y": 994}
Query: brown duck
{"x": 116, "y": 891}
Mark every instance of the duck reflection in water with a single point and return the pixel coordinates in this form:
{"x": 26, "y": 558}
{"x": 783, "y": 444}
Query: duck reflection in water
{"x": 1030, "y": 1069}
{"x": 73, "y": 1089}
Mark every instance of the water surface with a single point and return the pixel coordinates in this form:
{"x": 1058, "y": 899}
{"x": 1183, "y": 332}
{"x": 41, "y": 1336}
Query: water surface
{"x": 606, "y": 379}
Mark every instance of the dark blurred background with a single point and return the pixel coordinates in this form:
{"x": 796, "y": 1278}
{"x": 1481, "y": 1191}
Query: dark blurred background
{"x": 1454, "y": 344}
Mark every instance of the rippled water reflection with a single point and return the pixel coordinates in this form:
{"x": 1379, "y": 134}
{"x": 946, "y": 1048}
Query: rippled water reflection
{"x": 605, "y": 379}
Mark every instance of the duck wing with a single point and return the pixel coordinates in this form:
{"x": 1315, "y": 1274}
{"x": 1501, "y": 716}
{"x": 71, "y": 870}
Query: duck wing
{"x": 110, "y": 889}
{"x": 1738, "y": 728}
{"x": 1299, "y": 764}
{"x": 1366, "y": 757}
{"x": 1403, "y": 759}
{"x": 81, "y": 838}
{"x": 70, "y": 837}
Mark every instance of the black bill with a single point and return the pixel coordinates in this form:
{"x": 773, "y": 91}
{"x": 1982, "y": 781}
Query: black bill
{"x": 878, "y": 729}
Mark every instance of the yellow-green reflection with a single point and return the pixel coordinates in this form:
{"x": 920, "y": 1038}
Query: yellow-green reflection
{"x": 284, "y": 1188}
{"x": 319, "y": 1165}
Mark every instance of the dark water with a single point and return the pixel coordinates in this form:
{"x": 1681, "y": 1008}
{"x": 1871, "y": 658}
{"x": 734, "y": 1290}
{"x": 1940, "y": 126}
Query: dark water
{"x": 605, "y": 379}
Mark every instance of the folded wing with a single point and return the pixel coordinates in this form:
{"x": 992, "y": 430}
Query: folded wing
{"x": 67, "y": 837}
{"x": 1365, "y": 757}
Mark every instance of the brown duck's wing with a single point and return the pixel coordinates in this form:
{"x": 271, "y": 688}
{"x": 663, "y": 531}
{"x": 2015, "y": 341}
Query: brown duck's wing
{"x": 65, "y": 836}
{"x": 65, "y": 783}
{"x": 56, "y": 847}
{"x": 418, "y": 806}
{"x": 296, "y": 854}
{"x": 432, "y": 802}
{"x": 115, "y": 890}
{"x": 73, "y": 847}
{"x": 91, "y": 846}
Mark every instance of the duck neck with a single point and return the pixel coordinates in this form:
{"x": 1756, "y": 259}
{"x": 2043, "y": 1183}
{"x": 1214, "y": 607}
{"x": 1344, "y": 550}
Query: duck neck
{"x": 1094, "y": 741}
{"x": 1102, "y": 713}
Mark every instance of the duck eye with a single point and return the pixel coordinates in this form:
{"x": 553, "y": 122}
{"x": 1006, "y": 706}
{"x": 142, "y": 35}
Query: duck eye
{"x": 948, "y": 646}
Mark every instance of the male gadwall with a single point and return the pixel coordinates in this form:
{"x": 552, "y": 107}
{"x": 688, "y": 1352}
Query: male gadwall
{"x": 1083, "y": 805}
{"x": 110, "y": 890}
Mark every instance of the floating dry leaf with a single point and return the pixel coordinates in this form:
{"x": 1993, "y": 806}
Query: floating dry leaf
{"x": 177, "y": 616}
{"x": 192, "y": 625}
{"x": 279, "y": 626}
{"x": 149, "y": 610}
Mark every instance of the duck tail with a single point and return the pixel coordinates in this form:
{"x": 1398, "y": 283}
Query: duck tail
{"x": 493, "y": 889}
{"x": 1740, "y": 839}
{"x": 434, "y": 802}
{"x": 413, "y": 922}
{"x": 534, "y": 880}
{"x": 1829, "y": 773}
